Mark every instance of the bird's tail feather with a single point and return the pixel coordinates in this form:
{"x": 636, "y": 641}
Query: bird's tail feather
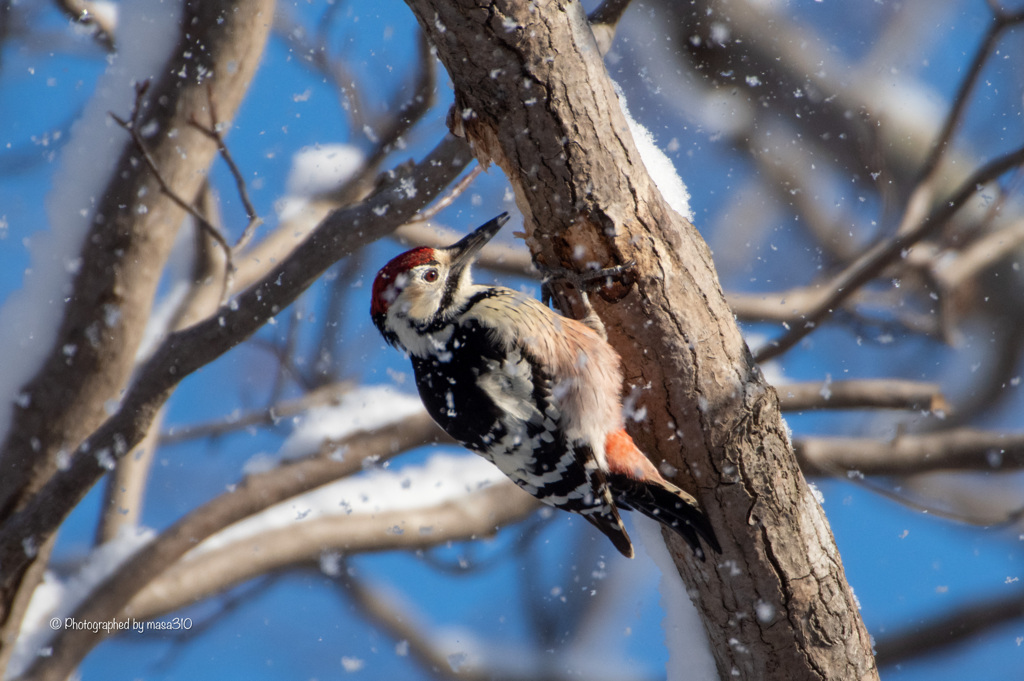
{"x": 611, "y": 525}
{"x": 669, "y": 505}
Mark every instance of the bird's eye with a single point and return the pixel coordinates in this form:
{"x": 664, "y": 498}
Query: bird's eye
{"x": 431, "y": 275}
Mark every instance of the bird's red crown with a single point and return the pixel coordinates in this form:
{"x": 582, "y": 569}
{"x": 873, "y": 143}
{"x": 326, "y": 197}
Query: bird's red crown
{"x": 383, "y": 286}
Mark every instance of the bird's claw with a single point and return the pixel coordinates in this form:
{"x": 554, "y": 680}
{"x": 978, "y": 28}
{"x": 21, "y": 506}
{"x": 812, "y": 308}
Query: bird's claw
{"x": 589, "y": 280}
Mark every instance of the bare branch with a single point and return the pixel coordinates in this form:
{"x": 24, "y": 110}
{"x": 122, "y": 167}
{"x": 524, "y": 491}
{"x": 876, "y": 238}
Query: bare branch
{"x": 317, "y": 53}
{"x": 204, "y": 224}
{"x": 957, "y": 449}
{"x": 209, "y": 268}
{"x": 330, "y": 393}
{"x": 126, "y": 487}
{"x": 19, "y": 604}
{"x": 954, "y": 274}
{"x": 455, "y": 192}
{"x": 1000, "y": 22}
{"x": 880, "y": 393}
{"x": 215, "y": 134}
{"x": 390, "y": 131}
{"x": 127, "y": 239}
{"x": 279, "y": 244}
{"x": 395, "y": 618}
{"x": 131, "y": 127}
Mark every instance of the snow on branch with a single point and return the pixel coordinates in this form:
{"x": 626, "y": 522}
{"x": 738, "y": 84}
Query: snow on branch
{"x": 450, "y": 498}
{"x": 443, "y": 478}
{"x": 55, "y": 599}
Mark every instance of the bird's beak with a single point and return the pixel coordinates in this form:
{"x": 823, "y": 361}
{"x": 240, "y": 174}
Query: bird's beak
{"x": 465, "y": 250}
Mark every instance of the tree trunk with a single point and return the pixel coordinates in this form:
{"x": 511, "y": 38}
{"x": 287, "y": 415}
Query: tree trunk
{"x": 533, "y": 96}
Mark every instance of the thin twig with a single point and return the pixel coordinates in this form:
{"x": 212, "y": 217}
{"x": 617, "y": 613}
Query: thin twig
{"x": 132, "y": 128}
{"x": 328, "y": 394}
{"x": 316, "y": 53}
{"x": 414, "y": 108}
{"x": 1000, "y": 22}
{"x": 214, "y": 133}
{"x": 401, "y": 626}
{"x": 227, "y": 605}
{"x": 165, "y": 188}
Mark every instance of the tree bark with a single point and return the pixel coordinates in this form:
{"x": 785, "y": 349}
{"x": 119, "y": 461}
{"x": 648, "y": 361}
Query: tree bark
{"x": 533, "y": 96}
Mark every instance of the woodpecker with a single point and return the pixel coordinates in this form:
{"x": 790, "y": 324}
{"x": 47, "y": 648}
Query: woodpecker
{"x": 535, "y": 393}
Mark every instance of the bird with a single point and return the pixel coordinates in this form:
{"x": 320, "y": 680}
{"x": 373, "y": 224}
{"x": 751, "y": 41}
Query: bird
{"x": 536, "y": 393}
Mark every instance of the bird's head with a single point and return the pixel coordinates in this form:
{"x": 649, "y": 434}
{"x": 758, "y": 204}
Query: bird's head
{"x": 425, "y": 286}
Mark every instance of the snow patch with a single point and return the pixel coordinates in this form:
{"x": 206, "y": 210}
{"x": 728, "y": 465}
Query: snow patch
{"x": 660, "y": 167}
{"x": 322, "y": 168}
{"x": 364, "y": 409}
{"x": 315, "y": 171}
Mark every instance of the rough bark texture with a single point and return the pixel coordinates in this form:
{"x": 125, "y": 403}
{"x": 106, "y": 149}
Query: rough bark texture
{"x": 533, "y": 96}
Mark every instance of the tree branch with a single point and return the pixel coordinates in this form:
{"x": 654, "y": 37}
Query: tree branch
{"x": 131, "y": 230}
{"x": 957, "y": 449}
{"x": 476, "y": 515}
{"x": 330, "y": 393}
{"x": 882, "y": 393}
